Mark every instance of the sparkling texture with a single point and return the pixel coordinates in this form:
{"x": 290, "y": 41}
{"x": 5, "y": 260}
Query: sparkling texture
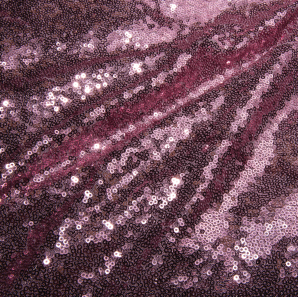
{"x": 149, "y": 148}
